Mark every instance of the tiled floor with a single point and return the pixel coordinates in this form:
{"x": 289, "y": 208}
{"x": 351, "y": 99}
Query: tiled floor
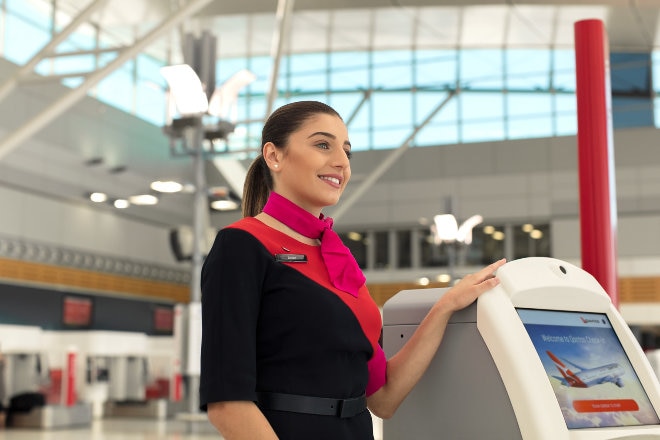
{"x": 131, "y": 429}
{"x": 119, "y": 429}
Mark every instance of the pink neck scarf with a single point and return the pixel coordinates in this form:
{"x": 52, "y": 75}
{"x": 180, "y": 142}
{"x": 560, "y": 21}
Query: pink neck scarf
{"x": 345, "y": 274}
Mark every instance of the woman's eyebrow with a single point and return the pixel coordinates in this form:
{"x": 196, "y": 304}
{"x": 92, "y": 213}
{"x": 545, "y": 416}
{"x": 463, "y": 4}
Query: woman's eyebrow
{"x": 330, "y": 135}
{"x": 322, "y": 133}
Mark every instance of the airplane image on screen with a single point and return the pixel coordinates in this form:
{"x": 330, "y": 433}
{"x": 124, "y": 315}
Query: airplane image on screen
{"x": 586, "y": 377}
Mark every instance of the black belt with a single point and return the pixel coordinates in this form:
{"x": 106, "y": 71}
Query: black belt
{"x": 322, "y": 406}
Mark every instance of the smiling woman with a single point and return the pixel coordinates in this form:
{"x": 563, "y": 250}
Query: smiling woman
{"x": 290, "y": 333}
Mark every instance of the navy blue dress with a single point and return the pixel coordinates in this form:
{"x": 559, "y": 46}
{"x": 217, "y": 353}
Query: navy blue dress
{"x": 269, "y": 326}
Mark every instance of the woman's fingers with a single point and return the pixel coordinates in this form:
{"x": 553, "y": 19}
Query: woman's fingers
{"x": 489, "y": 271}
{"x": 473, "y": 285}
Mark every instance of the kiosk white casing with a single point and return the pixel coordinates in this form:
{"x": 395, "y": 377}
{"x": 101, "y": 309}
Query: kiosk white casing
{"x": 487, "y": 379}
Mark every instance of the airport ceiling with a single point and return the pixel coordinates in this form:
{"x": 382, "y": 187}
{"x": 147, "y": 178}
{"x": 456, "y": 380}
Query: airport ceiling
{"x": 58, "y": 165}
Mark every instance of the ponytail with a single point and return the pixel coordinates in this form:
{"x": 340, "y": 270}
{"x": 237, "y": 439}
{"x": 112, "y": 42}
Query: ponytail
{"x": 258, "y": 184}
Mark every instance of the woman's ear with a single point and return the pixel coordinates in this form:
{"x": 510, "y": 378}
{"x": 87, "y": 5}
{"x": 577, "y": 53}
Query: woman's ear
{"x": 272, "y": 156}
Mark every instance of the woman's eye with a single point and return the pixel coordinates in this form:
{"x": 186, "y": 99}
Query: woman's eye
{"x": 323, "y": 145}
{"x": 349, "y": 153}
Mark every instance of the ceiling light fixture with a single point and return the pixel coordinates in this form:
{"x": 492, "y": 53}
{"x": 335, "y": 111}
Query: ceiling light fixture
{"x": 143, "y": 199}
{"x": 536, "y": 234}
{"x": 186, "y": 88}
{"x": 121, "y": 203}
{"x": 355, "y": 236}
{"x": 166, "y": 186}
{"x": 445, "y": 228}
{"x": 223, "y": 199}
{"x": 224, "y": 205}
{"x": 98, "y": 197}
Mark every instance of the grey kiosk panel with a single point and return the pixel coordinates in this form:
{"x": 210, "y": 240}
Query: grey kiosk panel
{"x": 461, "y": 396}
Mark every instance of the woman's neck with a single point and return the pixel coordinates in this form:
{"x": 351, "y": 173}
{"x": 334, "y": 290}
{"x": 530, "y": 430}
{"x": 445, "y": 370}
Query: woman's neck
{"x": 278, "y": 225}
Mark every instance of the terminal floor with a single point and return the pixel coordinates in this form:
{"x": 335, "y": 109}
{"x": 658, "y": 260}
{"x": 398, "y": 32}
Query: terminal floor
{"x": 131, "y": 429}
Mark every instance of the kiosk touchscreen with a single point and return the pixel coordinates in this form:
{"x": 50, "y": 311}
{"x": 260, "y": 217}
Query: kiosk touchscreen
{"x": 544, "y": 355}
{"x": 592, "y": 378}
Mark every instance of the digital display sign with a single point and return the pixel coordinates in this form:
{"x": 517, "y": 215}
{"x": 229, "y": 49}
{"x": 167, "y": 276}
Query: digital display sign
{"x": 593, "y": 380}
{"x": 77, "y": 311}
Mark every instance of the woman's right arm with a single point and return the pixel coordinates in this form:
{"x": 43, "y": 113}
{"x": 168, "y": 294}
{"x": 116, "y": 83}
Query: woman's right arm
{"x": 240, "y": 420}
{"x": 232, "y": 282}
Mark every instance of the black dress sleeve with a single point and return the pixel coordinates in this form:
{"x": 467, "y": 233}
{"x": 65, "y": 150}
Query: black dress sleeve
{"x": 232, "y": 280}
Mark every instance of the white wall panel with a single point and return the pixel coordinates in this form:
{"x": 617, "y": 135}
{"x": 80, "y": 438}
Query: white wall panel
{"x": 10, "y": 213}
{"x": 566, "y": 239}
{"x": 75, "y": 226}
{"x": 638, "y": 236}
{"x": 564, "y": 185}
{"x": 538, "y": 183}
{"x": 41, "y": 219}
{"x": 539, "y": 207}
{"x": 493, "y": 185}
{"x": 627, "y": 182}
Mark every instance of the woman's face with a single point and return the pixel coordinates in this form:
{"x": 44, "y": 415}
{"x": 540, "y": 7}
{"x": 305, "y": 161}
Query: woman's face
{"x": 313, "y": 169}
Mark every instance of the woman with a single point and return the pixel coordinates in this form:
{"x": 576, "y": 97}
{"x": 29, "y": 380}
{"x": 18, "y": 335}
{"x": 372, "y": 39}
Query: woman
{"x": 290, "y": 334}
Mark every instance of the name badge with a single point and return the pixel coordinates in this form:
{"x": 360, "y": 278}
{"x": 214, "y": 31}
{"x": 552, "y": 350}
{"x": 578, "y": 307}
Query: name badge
{"x": 291, "y": 258}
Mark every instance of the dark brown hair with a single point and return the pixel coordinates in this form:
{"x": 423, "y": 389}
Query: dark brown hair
{"x": 280, "y": 125}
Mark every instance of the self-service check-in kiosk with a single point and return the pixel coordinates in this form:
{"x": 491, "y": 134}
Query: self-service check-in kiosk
{"x": 544, "y": 355}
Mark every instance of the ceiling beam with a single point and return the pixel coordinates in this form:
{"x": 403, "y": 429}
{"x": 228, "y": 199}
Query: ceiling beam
{"x": 388, "y": 161}
{"x": 280, "y": 36}
{"x": 28, "y": 129}
{"x": 8, "y": 86}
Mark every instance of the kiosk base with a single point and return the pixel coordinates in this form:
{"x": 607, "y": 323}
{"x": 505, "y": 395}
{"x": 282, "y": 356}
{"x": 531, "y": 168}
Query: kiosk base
{"x": 150, "y": 409}
{"x": 465, "y": 398}
{"x": 54, "y": 417}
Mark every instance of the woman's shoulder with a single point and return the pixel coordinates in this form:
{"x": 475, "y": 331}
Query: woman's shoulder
{"x": 249, "y": 229}
{"x": 248, "y": 224}
{"x": 268, "y": 236}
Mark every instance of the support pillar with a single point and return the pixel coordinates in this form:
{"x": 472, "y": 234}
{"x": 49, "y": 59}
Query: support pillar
{"x": 596, "y": 155}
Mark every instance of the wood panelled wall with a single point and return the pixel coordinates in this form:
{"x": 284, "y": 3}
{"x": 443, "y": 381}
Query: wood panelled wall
{"x": 631, "y": 289}
{"x": 91, "y": 281}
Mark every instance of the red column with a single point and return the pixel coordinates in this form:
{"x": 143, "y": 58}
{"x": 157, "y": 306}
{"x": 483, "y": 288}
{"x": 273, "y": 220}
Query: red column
{"x": 70, "y": 397}
{"x": 596, "y": 155}
{"x": 177, "y": 382}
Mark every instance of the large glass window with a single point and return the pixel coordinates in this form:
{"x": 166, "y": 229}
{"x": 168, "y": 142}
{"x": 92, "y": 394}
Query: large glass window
{"x": 482, "y": 116}
{"x": 529, "y": 115}
{"x": 356, "y": 242}
{"x": 443, "y": 128}
{"x": 563, "y": 70}
{"x": 527, "y": 69}
{"x": 308, "y": 73}
{"x": 436, "y": 69}
{"x": 404, "y": 249}
{"x": 565, "y": 114}
{"x": 117, "y": 90}
{"x": 481, "y": 69}
{"x": 393, "y": 126}
{"x": 487, "y": 244}
{"x": 490, "y": 242}
{"x": 382, "y": 250}
{"x": 350, "y": 71}
{"x": 150, "y": 99}
{"x": 432, "y": 255}
{"x": 500, "y": 93}
{"x": 33, "y": 36}
{"x": 531, "y": 240}
{"x": 392, "y": 70}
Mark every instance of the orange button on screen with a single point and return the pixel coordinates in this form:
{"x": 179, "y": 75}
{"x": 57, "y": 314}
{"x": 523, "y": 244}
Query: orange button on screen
{"x": 613, "y": 405}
